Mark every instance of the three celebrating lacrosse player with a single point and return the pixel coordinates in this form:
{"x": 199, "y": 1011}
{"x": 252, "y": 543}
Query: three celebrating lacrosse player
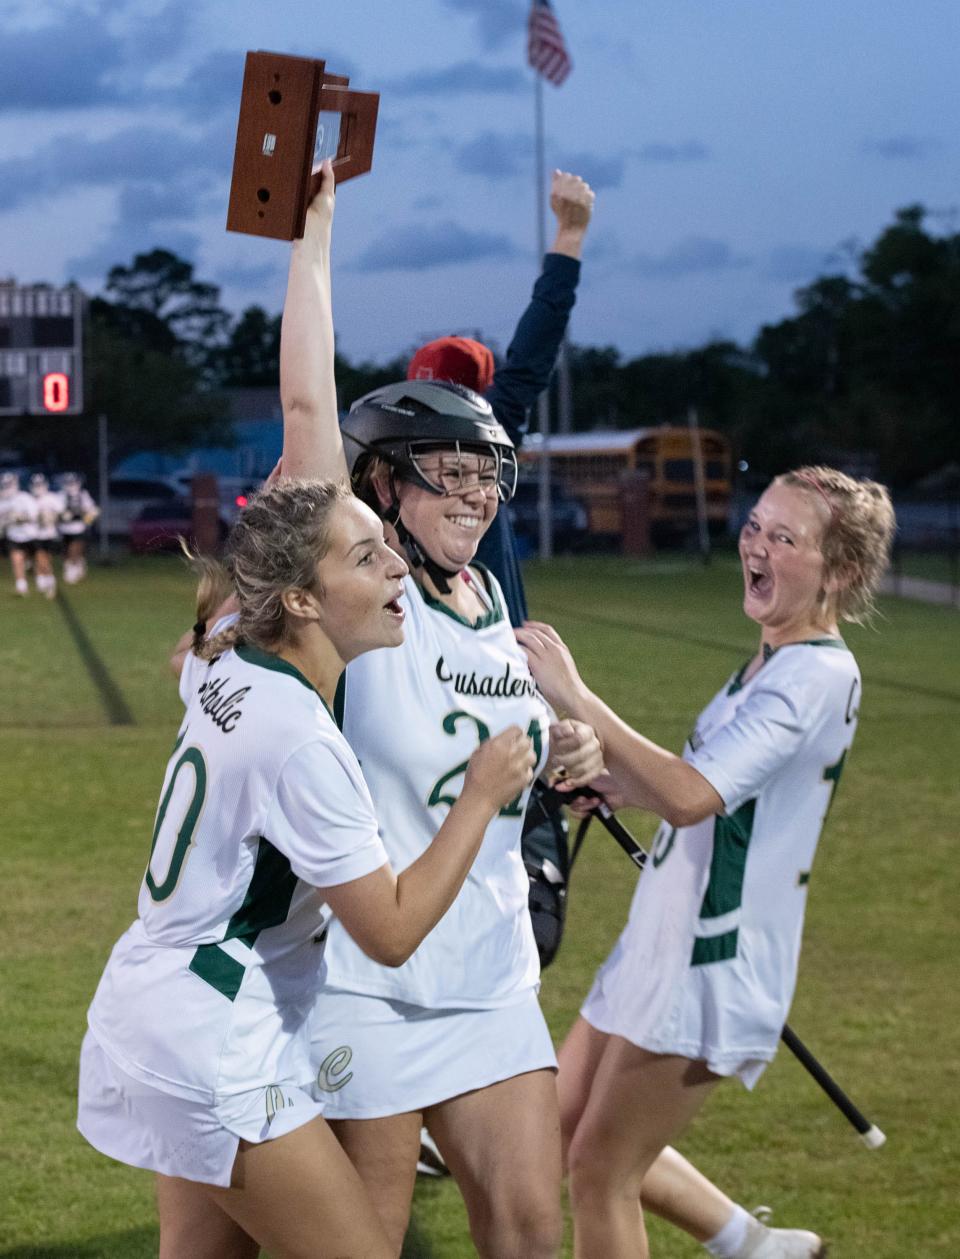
{"x": 420, "y": 1004}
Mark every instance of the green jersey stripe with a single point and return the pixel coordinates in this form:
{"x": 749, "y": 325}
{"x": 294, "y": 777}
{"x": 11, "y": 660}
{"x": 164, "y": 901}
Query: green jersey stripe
{"x": 218, "y": 969}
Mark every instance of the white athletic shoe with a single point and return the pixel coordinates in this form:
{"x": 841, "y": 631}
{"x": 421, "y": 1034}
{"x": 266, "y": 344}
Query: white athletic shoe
{"x": 430, "y": 1162}
{"x": 21, "y": 586}
{"x": 780, "y": 1243}
{"x": 71, "y": 574}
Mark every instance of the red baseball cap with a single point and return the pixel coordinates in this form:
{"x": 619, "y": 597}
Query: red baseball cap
{"x": 458, "y": 359}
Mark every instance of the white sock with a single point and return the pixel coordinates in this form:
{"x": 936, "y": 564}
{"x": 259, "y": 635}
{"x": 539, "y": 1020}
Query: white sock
{"x": 21, "y": 586}
{"x": 727, "y": 1243}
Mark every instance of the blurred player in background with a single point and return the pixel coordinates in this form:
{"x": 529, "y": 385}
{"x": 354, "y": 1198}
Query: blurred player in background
{"x": 46, "y": 537}
{"x": 699, "y": 985}
{"x": 77, "y": 514}
{"x": 9, "y": 488}
{"x": 18, "y": 518}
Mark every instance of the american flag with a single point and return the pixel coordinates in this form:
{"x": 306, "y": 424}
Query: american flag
{"x": 546, "y": 51}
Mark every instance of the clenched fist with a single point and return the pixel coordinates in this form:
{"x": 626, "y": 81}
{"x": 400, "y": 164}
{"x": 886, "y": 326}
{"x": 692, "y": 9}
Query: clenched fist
{"x": 501, "y": 767}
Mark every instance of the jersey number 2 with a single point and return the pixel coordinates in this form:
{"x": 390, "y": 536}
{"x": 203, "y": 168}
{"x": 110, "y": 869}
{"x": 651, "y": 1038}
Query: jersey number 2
{"x": 439, "y": 796}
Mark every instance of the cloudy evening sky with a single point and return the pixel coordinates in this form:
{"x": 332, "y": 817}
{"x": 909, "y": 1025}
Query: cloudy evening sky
{"x": 736, "y": 146}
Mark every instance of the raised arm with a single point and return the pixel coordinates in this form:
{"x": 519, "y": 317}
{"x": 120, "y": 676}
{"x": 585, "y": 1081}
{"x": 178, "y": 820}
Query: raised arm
{"x": 312, "y": 445}
{"x": 533, "y": 350}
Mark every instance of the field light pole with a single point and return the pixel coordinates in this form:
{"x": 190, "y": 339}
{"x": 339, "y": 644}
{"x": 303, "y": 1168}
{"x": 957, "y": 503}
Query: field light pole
{"x": 103, "y": 478}
{"x": 699, "y": 484}
{"x": 564, "y": 389}
{"x": 544, "y": 504}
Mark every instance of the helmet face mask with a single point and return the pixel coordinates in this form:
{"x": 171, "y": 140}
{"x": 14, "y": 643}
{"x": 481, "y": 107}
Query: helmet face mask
{"x": 458, "y": 468}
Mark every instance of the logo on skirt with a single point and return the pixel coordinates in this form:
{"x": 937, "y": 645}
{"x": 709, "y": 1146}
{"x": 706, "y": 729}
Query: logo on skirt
{"x": 330, "y": 1076}
{"x": 276, "y": 1100}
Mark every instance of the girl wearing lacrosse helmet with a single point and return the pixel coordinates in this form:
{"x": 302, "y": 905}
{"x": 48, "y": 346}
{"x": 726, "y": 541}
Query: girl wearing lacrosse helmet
{"x": 18, "y": 522}
{"x": 196, "y": 1064}
{"x": 46, "y": 539}
{"x": 77, "y": 514}
{"x": 456, "y": 1035}
{"x": 699, "y": 985}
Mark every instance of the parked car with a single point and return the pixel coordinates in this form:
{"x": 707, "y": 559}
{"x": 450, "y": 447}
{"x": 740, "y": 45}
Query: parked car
{"x": 234, "y": 492}
{"x": 160, "y": 526}
{"x": 128, "y": 496}
{"x": 569, "y": 515}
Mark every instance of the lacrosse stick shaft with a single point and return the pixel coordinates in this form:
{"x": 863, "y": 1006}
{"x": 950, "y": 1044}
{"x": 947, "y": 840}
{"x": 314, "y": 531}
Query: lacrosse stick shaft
{"x": 871, "y": 1136}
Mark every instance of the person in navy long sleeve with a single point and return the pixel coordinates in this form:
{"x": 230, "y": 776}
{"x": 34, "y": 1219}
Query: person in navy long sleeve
{"x": 514, "y": 386}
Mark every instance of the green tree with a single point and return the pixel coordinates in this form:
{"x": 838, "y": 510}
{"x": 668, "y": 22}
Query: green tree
{"x": 162, "y": 285}
{"x": 599, "y": 398}
{"x": 806, "y": 354}
{"x": 356, "y": 379}
{"x": 251, "y": 357}
{"x": 657, "y": 389}
{"x": 151, "y": 357}
{"x": 908, "y": 344}
{"x": 154, "y": 400}
{"x": 872, "y": 364}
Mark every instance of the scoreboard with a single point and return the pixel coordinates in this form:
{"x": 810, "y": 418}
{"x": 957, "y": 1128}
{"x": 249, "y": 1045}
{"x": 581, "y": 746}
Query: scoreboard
{"x": 41, "y": 350}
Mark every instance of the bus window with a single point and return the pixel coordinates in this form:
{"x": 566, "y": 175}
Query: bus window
{"x": 678, "y": 470}
{"x": 682, "y": 470}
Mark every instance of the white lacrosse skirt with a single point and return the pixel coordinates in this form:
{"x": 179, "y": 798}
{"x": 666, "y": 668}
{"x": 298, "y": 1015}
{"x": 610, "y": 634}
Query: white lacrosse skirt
{"x": 375, "y": 1056}
{"x": 706, "y": 966}
{"x": 130, "y": 1121}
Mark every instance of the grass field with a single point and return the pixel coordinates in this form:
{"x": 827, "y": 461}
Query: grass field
{"x": 877, "y": 998}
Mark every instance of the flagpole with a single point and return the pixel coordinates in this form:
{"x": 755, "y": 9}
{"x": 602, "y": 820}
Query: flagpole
{"x": 539, "y": 172}
{"x": 544, "y": 505}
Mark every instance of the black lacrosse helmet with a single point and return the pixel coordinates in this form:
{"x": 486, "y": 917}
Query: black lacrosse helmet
{"x": 401, "y": 422}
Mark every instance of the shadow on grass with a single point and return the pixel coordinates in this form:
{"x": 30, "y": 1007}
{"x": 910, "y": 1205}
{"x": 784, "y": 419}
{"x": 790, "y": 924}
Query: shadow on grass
{"x": 142, "y": 1243}
{"x": 136, "y": 1243}
{"x": 415, "y": 1245}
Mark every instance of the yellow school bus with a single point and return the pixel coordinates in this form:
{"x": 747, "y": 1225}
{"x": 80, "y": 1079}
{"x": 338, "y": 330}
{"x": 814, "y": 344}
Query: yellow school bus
{"x": 599, "y": 467}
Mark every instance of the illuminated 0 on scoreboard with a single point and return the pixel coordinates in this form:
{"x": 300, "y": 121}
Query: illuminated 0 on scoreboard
{"x": 41, "y": 350}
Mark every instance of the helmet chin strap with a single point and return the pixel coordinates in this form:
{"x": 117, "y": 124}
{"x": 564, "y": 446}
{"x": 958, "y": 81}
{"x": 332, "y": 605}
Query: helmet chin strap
{"x": 414, "y": 549}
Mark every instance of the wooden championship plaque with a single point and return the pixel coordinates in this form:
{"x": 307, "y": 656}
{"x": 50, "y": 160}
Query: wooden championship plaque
{"x": 292, "y": 116}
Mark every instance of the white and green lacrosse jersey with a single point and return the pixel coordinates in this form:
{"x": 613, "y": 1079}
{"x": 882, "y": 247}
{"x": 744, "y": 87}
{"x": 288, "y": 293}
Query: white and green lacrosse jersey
{"x": 20, "y": 517}
{"x": 49, "y": 509}
{"x": 76, "y": 510}
{"x": 263, "y": 803}
{"x": 413, "y": 714}
{"x": 707, "y": 964}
